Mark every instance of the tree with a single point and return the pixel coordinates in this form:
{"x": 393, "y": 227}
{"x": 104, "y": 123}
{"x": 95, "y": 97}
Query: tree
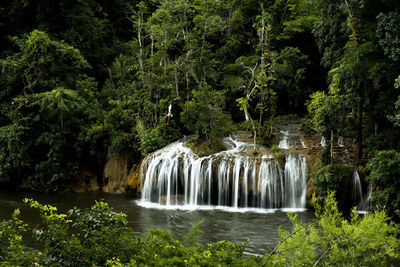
{"x": 388, "y": 33}
{"x": 337, "y": 178}
{"x": 359, "y": 72}
{"x": 331, "y": 32}
{"x": 48, "y": 130}
{"x": 327, "y": 114}
{"x": 203, "y": 114}
{"x": 396, "y": 119}
{"x": 385, "y": 170}
{"x": 43, "y": 134}
{"x": 41, "y": 64}
{"x": 289, "y": 72}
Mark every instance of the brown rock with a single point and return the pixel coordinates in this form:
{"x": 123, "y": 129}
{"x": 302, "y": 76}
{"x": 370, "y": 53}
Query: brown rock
{"x": 116, "y": 173}
{"x": 133, "y": 181}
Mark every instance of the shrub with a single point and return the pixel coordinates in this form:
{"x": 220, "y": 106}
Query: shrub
{"x": 99, "y": 236}
{"x": 247, "y": 125}
{"x": 158, "y": 137}
{"x": 208, "y": 147}
{"x": 203, "y": 114}
{"x": 331, "y": 240}
{"x": 325, "y": 155}
{"x": 265, "y": 134}
{"x": 385, "y": 173}
{"x": 334, "y": 178}
{"x": 275, "y": 148}
{"x": 280, "y": 155}
{"x": 151, "y": 141}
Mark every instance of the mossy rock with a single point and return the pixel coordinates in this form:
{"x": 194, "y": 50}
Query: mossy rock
{"x": 207, "y": 147}
{"x": 133, "y": 182}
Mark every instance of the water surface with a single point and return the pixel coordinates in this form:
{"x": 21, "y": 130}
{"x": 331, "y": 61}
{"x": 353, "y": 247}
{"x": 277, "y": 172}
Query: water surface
{"x": 258, "y": 226}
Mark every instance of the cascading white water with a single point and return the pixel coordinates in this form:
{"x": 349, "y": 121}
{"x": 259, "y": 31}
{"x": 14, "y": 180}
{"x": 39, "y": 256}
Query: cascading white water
{"x": 323, "y": 143}
{"x": 289, "y": 136}
{"x": 176, "y": 176}
{"x": 340, "y": 141}
{"x": 283, "y": 143}
{"x": 358, "y": 195}
{"x": 302, "y": 143}
{"x": 236, "y": 177}
{"x": 368, "y": 197}
{"x": 296, "y": 184}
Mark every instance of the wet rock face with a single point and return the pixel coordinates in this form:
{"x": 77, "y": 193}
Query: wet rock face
{"x": 133, "y": 180}
{"x": 115, "y": 175}
{"x": 119, "y": 176}
{"x": 289, "y": 137}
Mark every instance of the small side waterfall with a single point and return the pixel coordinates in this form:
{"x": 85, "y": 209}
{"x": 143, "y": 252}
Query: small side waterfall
{"x": 358, "y": 195}
{"x": 367, "y": 198}
{"x": 283, "y": 143}
{"x": 362, "y": 201}
{"x": 303, "y": 144}
{"x": 175, "y": 176}
{"x": 323, "y": 143}
{"x": 295, "y": 170}
{"x": 340, "y": 141}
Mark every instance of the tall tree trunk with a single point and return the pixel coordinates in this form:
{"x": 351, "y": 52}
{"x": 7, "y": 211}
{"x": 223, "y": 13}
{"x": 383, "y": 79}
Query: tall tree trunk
{"x": 176, "y": 82}
{"x": 262, "y": 37}
{"x": 356, "y": 38}
{"x": 359, "y": 130}
{"x": 152, "y": 43}
{"x": 203, "y": 42}
{"x": 140, "y": 56}
{"x": 248, "y": 118}
{"x": 332, "y": 147}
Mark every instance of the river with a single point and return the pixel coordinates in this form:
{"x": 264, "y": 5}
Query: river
{"x": 259, "y": 226}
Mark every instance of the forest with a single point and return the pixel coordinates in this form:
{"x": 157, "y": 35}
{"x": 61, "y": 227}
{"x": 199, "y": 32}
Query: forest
{"x": 83, "y": 79}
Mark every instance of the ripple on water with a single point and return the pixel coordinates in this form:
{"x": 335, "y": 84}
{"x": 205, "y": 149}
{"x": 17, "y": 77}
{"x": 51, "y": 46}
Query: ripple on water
{"x": 220, "y": 223}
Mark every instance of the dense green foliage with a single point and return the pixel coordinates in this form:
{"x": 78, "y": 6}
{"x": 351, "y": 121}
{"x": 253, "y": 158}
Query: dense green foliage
{"x": 369, "y": 240}
{"x": 204, "y": 114}
{"x": 80, "y": 80}
{"x": 338, "y": 178}
{"x": 84, "y": 79}
{"x": 385, "y": 170}
{"x": 100, "y": 237}
{"x": 354, "y": 37}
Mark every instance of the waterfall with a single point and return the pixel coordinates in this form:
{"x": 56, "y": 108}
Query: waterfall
{"x": 340, "y": 141}
{"x": 284, "y": 142}
{"x": 209, "y": 173}
{"x": 358, "y": 195}
{"x": 245, "y": 193}
{"x": 236, "y": 177}
{"x": 366, "y": 203}
{"x": 296, "y": 183}
{"x": 302, "y": 143}
{"x": 323, "y": 143}
{"x": 175, "y": 176}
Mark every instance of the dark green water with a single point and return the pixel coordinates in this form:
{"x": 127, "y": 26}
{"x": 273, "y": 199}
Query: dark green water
{"x": 259, "y": 228}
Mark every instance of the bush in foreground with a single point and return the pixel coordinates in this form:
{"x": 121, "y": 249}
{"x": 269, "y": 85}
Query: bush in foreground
{"x": 100, "y": 237}
{"x": 331, "y": 240}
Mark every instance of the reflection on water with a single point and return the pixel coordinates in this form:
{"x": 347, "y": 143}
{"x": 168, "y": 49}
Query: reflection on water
{"x": 258, "y": 226}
